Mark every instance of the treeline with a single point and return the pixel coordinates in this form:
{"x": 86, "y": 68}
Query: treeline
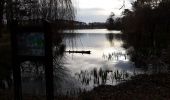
{"x": 93, "y": 25}
{"x": 70, "y": 24}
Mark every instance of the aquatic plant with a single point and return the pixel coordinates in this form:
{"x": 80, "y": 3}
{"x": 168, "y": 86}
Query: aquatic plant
{"x": 100, "y": 76}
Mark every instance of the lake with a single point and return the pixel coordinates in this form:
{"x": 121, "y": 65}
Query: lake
{"x": 107, "y": 56}
{"x": 107, "y": 63}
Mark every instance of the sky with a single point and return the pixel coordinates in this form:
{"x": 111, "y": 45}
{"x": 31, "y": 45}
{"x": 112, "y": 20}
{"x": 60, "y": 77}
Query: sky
{"x": 98, "y": 10}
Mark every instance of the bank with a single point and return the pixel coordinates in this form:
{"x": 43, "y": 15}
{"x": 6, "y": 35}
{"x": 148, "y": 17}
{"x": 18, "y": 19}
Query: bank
{"x": 140, "y": 87}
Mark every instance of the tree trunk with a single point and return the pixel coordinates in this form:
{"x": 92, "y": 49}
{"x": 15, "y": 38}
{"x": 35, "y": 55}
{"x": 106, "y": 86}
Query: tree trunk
{"x": 1, "y": 15}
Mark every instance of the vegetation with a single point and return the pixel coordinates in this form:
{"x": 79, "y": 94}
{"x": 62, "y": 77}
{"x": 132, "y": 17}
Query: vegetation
{"x": 146, "y": 29}
{"x": 100, "y": 76}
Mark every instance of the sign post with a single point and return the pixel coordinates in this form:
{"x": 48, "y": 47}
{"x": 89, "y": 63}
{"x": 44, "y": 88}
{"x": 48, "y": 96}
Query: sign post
{"x": 49, "y": 62}
{"x": 32, "y": 43}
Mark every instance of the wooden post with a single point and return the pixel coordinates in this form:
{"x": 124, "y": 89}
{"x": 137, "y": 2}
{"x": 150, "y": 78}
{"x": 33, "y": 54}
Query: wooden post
{"x": 15, "y": 64}
{"x": 48, "y": 62}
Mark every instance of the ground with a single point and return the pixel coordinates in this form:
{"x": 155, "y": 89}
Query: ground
{"x": 141, "y": 87}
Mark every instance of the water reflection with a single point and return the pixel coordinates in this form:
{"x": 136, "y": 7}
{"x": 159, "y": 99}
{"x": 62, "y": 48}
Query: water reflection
{"x": 107, "y": 63}
{"x": 111, "y": 37}
{"x": 93, "y": 31}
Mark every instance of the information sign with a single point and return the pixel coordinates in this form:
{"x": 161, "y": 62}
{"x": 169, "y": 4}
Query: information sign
{"x": 30, "y": 44}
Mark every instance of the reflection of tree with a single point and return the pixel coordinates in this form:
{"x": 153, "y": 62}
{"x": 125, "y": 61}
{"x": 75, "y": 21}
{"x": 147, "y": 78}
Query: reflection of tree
{"x": 35, "y": 73}
{"x": 110, "y": 38}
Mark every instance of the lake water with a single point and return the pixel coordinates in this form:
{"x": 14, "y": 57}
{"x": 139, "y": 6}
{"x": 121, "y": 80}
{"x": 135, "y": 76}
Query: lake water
{"x": 100, "y": 46}
{"x": 98, "y": 42}
{"x": 107, "y": 56}
{"x": 108, "y": 63}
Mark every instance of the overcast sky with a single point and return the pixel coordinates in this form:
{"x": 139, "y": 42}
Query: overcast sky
{"x": 98, "y": 10}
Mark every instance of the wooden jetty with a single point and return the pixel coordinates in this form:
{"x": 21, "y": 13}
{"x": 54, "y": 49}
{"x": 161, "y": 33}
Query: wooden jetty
{"x": 83, "y": 52}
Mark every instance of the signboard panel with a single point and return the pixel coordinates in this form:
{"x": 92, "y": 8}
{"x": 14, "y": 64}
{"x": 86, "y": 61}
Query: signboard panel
{"x": 30, "y": 44}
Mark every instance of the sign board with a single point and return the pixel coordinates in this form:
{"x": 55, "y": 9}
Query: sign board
{"x": 30, "y": 44}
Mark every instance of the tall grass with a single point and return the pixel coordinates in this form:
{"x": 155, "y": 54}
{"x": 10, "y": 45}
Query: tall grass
{"x": 101, "y": 77}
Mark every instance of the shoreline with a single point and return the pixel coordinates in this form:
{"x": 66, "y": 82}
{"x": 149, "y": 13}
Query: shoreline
{"x": 140, "y": 87}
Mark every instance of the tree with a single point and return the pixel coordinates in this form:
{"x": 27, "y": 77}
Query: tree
{"x": 39, "y": 9}
{"x": 110, "y": 21}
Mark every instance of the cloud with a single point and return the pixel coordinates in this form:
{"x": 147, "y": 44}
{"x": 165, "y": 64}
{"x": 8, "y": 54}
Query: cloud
{"x": 90, "y": 11}
{"x": 98, "y": 10}
{"x": 91, "y": 15}
{"x": 94, "y": 14}
{"x": 92, "y": 18}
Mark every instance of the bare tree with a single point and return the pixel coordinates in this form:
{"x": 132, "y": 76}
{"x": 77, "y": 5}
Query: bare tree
{"x": 40, "y": 9}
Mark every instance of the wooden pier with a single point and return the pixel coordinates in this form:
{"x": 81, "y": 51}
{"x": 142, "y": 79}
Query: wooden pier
{"x": 83, "y": 52}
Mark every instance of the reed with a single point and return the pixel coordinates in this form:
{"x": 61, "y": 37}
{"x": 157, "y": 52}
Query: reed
{"x": 101, "y": 77}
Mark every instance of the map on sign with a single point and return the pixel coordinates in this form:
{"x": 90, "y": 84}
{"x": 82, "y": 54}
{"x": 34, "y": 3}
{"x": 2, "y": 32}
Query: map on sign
{"x": 31, "y": 44}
